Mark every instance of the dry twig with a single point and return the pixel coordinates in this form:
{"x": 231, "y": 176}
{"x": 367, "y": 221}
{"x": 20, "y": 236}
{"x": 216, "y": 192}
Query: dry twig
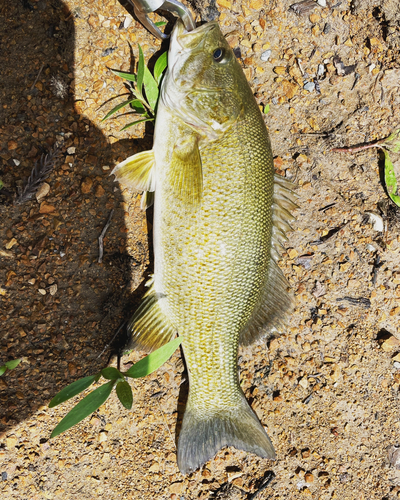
{"x": 101, "y": 237}
{"x": 39, "y": 174}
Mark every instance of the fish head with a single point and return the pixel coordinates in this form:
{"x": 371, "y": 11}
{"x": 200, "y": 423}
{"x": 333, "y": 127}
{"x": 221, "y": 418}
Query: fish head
{"x": 204, "y": 81}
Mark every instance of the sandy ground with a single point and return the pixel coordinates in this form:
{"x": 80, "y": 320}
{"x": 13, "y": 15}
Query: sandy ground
{"x": 328, "y": 389}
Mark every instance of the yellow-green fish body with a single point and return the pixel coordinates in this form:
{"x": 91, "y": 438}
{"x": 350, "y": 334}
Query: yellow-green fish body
{"x": 217, "y": 218}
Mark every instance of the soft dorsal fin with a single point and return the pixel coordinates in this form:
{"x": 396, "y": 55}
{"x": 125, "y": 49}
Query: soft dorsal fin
{"x": 276, "y": 300}
{"x": 149, "y": 328}
{"x": 137, "y": 172}
{"x": 186, "y": 169}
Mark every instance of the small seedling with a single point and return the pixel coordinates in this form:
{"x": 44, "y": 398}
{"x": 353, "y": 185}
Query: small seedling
{"x": 115, "y": 378}
{"x": 390, "y": 143}
{"x": 10, "y": 365}
{"x": 144, "y": 88}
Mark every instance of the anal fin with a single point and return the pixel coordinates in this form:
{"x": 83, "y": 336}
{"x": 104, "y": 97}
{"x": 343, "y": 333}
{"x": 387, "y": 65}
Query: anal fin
{"x": 149, "y": 328}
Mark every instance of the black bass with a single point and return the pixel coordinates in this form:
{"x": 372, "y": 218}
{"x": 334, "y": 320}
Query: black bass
{"x": 219, "y": 217}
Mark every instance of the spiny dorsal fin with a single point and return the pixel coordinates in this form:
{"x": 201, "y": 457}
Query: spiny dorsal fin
{"x": 276, "y": 301}
{"x": 149, "y": 327}
{"x": 137, "y": 171}
{"x": 186, "y": 170}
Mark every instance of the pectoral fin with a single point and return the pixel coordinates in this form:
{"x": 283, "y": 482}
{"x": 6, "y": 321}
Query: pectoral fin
{"x": 137, "y": 171}
{"x": 186, "y": 170}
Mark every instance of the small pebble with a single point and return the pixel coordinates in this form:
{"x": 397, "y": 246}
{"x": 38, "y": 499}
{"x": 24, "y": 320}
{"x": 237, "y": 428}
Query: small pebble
{"x": 127, "y": 21}
{"x": 376, "y": 221}
{"x": 321, "y": 70}
{"x": 310, "y": 86}
{"x": 42, "y": 192}
{"x": 266, "y": 55}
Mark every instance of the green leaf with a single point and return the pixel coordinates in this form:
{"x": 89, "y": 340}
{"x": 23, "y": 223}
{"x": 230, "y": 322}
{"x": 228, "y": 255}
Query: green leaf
{"x": 135, "y": 103}
{"x": 140, "y": 70}
{"x": 393, "y": 141}
{"x": 390, "y": 179}
{"x": 13, "y": 363}
{"x": 124, "y": 393}
{"x": 125, "y": 76}
{"x": 160, "y": 66}
{"x": 136, "y": 122}
{"x": 111, "y": 373}
{"x": 1, "y": 184}
{"x": 84, "y": 408}
{"x": 138, "y": 106}
{"x": 72, "y": 390}
{"x": 154, "y": 360}
{"x": 160, "y": 23}
{"x": 266, "y": 109}
{"x": 151, "y": 88}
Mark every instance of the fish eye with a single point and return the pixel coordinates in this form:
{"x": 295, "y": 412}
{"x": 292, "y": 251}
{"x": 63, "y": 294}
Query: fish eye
{"x": 218, "y": 54}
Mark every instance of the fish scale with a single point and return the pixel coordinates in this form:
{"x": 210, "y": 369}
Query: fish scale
{"x": 219, "y": 216}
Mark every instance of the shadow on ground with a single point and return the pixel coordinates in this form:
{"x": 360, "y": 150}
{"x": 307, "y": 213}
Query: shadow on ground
{"x": 58, "y": 306}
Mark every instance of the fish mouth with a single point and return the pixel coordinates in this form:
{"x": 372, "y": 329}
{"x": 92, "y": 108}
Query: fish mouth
{"x": 183, "y": 40}
{"x": 190, "y": 39}
{"x": 183, "y": 43}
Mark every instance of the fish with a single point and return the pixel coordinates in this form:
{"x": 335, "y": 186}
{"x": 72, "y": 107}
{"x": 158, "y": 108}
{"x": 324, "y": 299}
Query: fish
{"x": 221, "y": 216}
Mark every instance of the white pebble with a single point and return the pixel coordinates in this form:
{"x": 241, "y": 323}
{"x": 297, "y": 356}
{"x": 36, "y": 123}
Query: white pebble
{"x": 310, "y": 86}
{"x": 376, "y": 221}
{"x": 266, "y": 55}
{"x": 127, "y": 22}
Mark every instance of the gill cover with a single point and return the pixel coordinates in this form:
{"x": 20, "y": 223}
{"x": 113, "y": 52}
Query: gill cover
{"x": 203, "y": 80}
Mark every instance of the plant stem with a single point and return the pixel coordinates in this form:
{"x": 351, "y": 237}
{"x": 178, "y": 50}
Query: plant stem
{"x": 359, "y": 147}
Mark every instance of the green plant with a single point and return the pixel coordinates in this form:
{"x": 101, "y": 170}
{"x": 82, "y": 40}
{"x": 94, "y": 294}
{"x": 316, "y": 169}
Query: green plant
{"x": 145, "y": 89}
{"x": 10, "y": 365}
{"x": 1, "y": 184}
{"x": 115, "y": 378}
{"x": 390, "y": 143}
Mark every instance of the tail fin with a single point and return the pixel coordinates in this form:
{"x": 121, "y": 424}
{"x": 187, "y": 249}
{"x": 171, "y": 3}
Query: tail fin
{"x": 204, "y": 434}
